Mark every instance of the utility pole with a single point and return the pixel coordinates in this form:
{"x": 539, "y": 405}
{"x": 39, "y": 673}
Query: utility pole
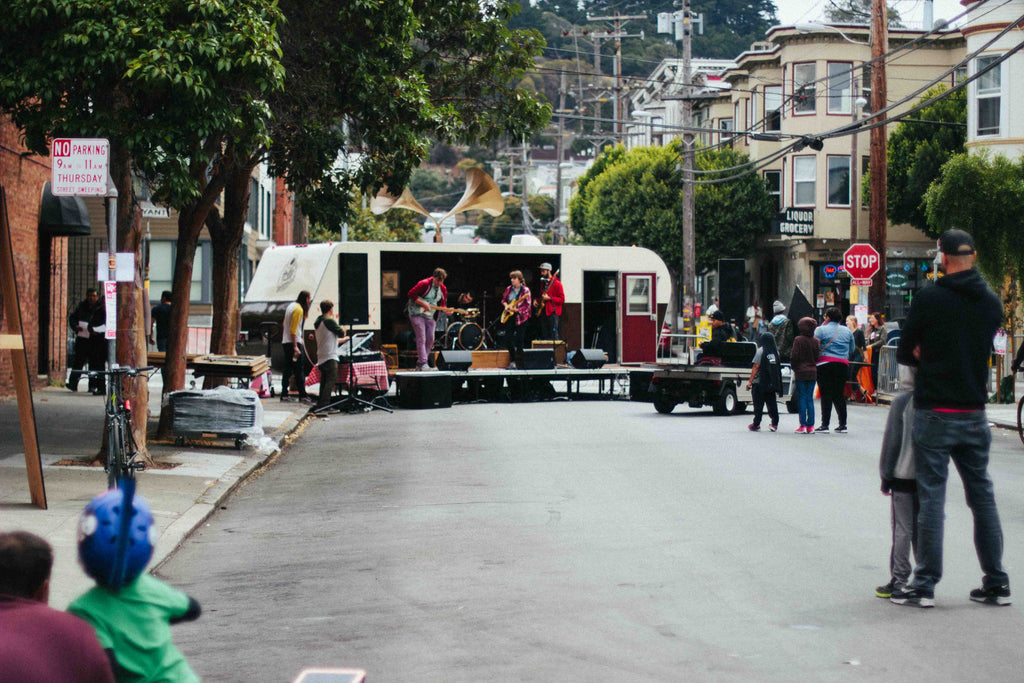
{"x": 525, "y": 207}
{"x": 689, "y": 241}
{"x": 559, "y": 147}
{"x": 878, "y": 221}
{"x": 617, "y": 34}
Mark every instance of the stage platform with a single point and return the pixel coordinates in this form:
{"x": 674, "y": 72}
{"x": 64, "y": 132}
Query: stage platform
{"x": 442, "y": 388}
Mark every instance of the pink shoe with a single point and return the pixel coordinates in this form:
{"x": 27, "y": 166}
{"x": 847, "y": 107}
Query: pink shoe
{"x": 799, "y": 430}
{"x": 753, "y": 427}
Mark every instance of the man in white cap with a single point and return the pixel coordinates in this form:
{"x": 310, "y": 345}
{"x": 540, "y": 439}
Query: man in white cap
{"x": 548, "y": 305}
{"x": 781, "y": 328}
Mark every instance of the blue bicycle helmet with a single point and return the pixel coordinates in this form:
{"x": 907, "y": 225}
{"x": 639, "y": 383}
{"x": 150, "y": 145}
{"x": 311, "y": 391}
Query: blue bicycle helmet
{"x": 113, "y": 549}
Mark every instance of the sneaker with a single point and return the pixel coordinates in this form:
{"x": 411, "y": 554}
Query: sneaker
{"x": 886, "y": 590}
{"x": 753, "y": 427}
{"x": 773, "y": 428}
{"x": 799, "y": 430}
{"x": 996, "y": 595}
{"x": 823, "y": 429}
{"x": 841, "y": 429}
{"x": 913, "y": 597}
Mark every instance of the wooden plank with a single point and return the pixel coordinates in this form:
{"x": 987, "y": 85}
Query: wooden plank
{"x": 11, "y": 342}
{"x": 19, "y": 361}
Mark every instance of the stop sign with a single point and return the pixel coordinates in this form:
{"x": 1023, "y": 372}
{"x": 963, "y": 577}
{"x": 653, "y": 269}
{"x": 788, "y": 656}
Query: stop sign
{"x": 861, "y": 261}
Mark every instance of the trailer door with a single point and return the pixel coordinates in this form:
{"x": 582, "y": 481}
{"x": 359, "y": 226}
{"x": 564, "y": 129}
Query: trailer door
{"x": 639, "y": 318}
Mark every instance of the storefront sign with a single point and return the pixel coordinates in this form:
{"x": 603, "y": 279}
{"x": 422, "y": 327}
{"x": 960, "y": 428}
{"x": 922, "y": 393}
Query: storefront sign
{"x": 792, "y": 221}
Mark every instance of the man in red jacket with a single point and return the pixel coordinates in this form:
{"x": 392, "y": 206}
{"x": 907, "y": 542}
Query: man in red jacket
{"x": 427, "y": 296}
{"x": 549, "y": 305}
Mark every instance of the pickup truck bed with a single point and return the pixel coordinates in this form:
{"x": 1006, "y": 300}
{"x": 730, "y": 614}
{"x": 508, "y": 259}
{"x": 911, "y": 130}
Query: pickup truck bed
{"x": 723, "y": 388}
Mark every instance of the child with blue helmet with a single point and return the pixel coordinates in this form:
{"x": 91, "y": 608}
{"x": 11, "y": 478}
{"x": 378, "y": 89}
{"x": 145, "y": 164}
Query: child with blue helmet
{"x": 130, "y": 610}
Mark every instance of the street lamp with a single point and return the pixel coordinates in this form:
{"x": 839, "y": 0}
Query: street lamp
{"x": 815, "y": 27}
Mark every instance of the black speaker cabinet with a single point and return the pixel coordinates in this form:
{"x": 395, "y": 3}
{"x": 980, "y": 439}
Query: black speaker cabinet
{"x": 731, "y": 276}
{"x": 588, "y": 359}
{"x": 454, "y": 360}
{"x": 536, "y": 359}
{"x": 424, "y": 390}
{"x": 353, "y": 294}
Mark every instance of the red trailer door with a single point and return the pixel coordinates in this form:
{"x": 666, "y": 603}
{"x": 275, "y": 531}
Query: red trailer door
{"x": 638, "y": 311}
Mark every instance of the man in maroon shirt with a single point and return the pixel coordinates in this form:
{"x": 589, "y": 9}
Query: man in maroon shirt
{"x": 38, "y": 643}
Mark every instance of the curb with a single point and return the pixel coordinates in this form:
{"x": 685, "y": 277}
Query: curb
{"x": 208, "y": 502}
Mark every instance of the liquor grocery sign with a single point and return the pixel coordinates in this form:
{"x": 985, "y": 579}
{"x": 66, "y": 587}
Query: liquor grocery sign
{"x": 80, "y": 166}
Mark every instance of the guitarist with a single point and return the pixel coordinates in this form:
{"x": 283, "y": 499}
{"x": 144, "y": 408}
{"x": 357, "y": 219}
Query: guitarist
{"x": 549, "y": 305}
{"x": 517, "y": 303}
{"x": 426, "y": 296}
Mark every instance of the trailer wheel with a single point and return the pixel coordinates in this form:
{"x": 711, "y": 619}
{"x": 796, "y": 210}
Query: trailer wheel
{"x": 791, "y": 406}
{"x": 664, "y": 404}
{"x": 726, "y": 402}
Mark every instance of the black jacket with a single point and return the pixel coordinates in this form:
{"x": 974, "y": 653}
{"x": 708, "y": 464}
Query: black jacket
{"x": 953, "y": 323}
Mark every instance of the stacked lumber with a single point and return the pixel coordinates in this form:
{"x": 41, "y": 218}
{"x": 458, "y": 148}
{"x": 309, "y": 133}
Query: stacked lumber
{"x": 246, "y": 367}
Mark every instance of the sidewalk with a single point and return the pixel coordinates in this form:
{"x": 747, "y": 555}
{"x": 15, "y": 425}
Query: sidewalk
{"x": 70, "y": 426}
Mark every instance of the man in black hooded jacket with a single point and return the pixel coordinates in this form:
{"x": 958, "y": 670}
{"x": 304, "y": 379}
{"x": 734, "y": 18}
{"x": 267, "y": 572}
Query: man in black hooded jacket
{"x": 948, "y": 336}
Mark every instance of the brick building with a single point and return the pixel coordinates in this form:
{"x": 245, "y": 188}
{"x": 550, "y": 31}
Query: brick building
{"x": 40, "y": 263}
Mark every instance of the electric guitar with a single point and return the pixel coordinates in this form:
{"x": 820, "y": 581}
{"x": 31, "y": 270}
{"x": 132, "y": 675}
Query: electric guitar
{"x": 511, "y": 308}
{"x": 538, "y": 303}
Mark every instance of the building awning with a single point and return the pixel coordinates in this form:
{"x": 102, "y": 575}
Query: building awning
{"x": 63, "y": 216}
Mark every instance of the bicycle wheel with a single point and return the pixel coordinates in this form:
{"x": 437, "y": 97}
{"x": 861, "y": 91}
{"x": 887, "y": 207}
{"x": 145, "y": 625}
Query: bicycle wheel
{"x": 115, "y": 441}
{"x": 1020, "y": 422}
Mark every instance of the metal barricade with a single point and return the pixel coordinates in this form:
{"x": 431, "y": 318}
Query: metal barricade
{"x": 888, "y": 371}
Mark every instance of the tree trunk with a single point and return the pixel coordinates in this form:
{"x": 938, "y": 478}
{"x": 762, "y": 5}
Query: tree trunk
{"x": 226, "y": 240}
{"x": 131, "y": 319}
{"x": 190, "y": 224}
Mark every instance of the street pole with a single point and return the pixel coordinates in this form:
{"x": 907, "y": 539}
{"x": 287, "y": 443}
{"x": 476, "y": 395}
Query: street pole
{"x": 854, "y": 176}
{"x": 111, "y": 273}
{"x": 878, "y": 220}
{"x": 689, "y": 260}
{"x": 560, "y": 150}
{"x": 525, "y": 206}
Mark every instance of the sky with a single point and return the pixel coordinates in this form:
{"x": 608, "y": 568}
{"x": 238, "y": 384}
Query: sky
{"x": 792, "y": 11}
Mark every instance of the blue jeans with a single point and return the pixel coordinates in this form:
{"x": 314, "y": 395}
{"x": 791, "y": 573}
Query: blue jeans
{"x": 805, "y": 402}
{"x": 964, "y": 437}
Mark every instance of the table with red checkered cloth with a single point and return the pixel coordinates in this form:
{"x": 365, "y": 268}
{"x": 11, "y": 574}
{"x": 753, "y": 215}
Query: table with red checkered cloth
{"x": 367, "y": 374}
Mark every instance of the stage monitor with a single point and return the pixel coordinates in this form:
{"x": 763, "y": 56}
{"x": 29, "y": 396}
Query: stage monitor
{"x": 454, "y": 360}
{"x": 588, "y": 359}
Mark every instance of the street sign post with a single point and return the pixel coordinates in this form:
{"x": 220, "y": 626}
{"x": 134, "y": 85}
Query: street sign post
{"x": 80, "y": 166}
{"x": 861, "y": 262}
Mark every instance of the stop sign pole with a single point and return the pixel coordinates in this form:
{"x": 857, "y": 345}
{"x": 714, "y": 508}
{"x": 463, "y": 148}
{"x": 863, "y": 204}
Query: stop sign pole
{"x": 861, "y": 262}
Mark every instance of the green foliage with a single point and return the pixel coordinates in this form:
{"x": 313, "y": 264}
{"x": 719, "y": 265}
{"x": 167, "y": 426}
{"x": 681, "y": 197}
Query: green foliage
{"x": 500, "y": 229}
{"x": 858, "y": 12}
{"x": 917, "y": 152}
{"x": 636, "y": 198}
{"x": 393, "y": 226}
{"x": 435, "y": 190}
{"x": 579, "y": 202}
{"x": 983, "y": 195}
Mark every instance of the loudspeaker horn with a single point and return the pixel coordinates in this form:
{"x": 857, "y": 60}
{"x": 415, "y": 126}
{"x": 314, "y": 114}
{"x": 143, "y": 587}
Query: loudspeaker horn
{"x": 384, "y": 201}
{"x": 482, "y": 194}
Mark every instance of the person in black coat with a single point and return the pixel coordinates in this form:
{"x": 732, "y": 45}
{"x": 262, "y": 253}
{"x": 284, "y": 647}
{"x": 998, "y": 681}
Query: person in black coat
{"x": 88, "y": 321}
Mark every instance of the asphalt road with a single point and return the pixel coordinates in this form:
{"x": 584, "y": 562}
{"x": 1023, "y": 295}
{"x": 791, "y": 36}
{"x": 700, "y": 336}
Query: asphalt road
{"x": 585, "y": 541}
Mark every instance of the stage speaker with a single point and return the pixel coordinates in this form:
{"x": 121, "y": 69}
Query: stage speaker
{"x": 536, "y": 359}
{"x": 588, "y": 359}
{"x": 353, "y": 294}
{"x": 454, "y": 360}
{"x": 424, "y": 390}
{"x": 731, "y": 283}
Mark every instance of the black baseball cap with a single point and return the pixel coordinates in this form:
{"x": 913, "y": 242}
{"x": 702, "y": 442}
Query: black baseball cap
{"x": 956, "y": 243}
{"x": 718, "y": 315}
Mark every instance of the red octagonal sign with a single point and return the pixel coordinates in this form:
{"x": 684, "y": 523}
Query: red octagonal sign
{"x": 861, "y": 261}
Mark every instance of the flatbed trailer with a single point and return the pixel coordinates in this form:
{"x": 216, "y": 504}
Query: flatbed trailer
{"x": 722, "y": 387}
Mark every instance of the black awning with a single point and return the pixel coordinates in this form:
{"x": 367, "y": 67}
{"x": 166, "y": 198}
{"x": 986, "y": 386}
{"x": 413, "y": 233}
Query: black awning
{"x": 63, "y": 216}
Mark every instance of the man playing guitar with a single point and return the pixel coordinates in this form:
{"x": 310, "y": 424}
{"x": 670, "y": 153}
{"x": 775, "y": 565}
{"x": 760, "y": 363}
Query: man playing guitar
{"x": 549, "y": 305}
{"x": 517, "y": 303}
{"x": 426, "y": 296}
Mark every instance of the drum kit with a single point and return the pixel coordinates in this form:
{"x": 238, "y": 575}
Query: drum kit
{"x": 465, "y": 334}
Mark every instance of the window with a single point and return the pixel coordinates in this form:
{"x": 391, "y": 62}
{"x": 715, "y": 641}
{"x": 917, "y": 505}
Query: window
{"x": 838, "y": 181}
{"x": 840, "y": 87}
{"x": 804, "y": 76}
{"x": 752, "y": 122}
{"x": 865, "y": 87}
{"x": 804, "y": 170}
{"x": 725, "y": 125}
{"x": 161, "y": 270}
{"x": 773, "y": 181}
{"x": 772, "y": 108}
{"x": 989, "y": 96}
{"x": 638, "y": 288}
{"x": 865, "y": 195}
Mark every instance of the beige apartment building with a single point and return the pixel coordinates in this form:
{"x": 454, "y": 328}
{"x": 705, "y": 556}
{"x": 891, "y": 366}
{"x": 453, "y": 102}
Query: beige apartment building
{"x": 810, "y": 83}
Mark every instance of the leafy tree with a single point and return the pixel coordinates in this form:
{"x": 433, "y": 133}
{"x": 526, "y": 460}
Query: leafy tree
{"x": 500, "y": 229}
{"x": 918, "y": 148}
{"x": 393, "y": 226}
{"x": 435, "y": 190}
{"x": 858, "y": 12}
{"x": 153, "y": 78}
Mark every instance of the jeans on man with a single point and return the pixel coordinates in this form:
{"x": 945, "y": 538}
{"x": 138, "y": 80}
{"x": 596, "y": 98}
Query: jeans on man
{"x": 293, "y": 366}
{"x": 805, "y": 402}
{"x": 424, "y": 330}
{"x": 964, "y": 438}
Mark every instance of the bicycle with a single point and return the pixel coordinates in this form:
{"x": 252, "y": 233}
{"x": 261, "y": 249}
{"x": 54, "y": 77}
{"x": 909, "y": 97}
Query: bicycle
{"x": 1020, "y": 422}
{"x": 122, "y": 452}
